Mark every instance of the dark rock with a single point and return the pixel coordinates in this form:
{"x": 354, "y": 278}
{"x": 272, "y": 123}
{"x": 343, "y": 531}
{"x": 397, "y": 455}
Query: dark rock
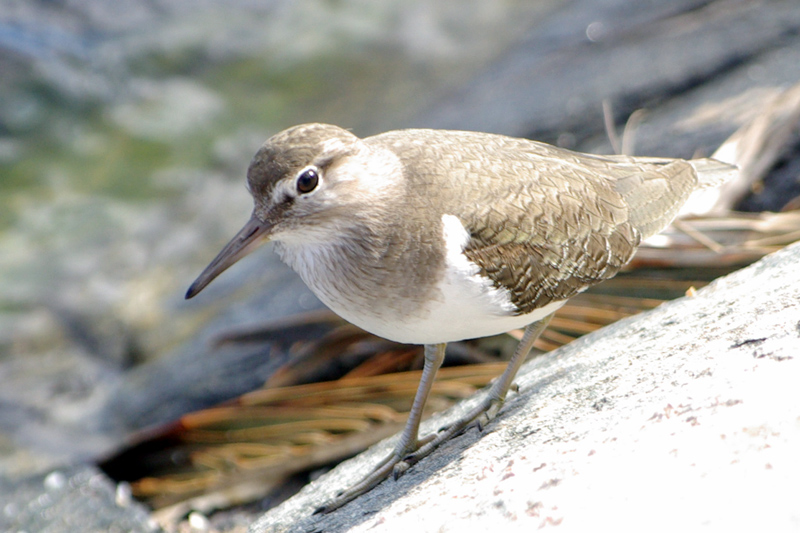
{"x": 635, "y": 55}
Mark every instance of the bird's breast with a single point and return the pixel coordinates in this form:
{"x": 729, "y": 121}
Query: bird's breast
{"x": 413, "y": 301}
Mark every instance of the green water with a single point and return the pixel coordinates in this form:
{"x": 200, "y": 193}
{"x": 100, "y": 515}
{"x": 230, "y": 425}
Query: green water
{"x": 118, "y": 150}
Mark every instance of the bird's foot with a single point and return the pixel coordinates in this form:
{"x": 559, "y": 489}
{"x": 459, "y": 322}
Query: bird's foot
{"x": 394, "y": 464}
{"x": 400, "y": 460}
{"x": 480, "y": 415}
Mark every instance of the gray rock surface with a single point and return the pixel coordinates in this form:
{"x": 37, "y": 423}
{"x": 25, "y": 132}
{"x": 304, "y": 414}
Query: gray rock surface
{"x": 77, "y": 498}
{"x": 684, "y": 417}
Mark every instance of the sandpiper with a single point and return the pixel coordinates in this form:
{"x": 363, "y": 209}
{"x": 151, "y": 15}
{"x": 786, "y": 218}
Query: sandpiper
{"x": 433, "y": 236}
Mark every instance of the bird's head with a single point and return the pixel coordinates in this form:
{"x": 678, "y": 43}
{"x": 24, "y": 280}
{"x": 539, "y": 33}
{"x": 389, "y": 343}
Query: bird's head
{"x": 310, "y": 184}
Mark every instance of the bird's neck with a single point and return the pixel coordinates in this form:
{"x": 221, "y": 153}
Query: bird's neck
{"x": 352, "y": 252}
{"x": 376, "y": 270}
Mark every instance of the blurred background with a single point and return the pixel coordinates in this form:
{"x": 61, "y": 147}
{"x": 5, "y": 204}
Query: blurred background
{"x": 126, "y": 129}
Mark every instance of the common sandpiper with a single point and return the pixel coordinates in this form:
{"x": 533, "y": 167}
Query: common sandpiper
{"x": 432, "y": 236}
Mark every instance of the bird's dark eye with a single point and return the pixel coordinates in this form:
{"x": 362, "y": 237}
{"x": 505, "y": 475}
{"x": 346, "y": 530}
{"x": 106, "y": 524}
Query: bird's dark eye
{"x": 307, "y": 181}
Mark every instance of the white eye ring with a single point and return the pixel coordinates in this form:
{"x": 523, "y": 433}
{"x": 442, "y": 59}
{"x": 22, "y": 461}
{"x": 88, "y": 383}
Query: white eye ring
{"x": 307, "y": 180}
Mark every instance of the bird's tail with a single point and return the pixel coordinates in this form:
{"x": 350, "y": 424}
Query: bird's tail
{"x": 712, "y": 173}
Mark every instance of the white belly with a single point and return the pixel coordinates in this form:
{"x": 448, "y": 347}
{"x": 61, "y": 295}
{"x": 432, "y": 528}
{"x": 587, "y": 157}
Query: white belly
{"x": 463, "y": 305}
{"x": 449, "y": 321}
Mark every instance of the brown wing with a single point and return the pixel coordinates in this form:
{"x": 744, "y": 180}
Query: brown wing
{"x": 569, "y": 229}
{"x": 545, "y": 223}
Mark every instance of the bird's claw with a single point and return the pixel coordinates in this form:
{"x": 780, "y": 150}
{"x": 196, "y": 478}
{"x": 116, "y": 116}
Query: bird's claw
{"x": 400, "y": 468}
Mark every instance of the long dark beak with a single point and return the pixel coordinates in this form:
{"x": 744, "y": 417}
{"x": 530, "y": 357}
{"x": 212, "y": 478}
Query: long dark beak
{"x": 251, "y": 236}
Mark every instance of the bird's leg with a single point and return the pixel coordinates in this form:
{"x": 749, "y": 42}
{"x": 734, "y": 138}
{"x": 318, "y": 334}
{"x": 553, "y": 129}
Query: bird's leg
{"x": 409, "y": 440}
{"x": 487, "y": 409}
{"x": 409, "y": 449}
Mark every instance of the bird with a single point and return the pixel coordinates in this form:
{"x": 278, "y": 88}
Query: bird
{"x": 427, "y": 237}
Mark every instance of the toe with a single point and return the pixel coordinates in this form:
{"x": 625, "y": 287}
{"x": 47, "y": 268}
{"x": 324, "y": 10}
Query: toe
{"x": 400, "y": 468}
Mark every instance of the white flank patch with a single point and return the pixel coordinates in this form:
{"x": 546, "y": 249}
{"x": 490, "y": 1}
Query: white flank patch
{"x": 464, "y": 276}
{"x": 468, "y": 306}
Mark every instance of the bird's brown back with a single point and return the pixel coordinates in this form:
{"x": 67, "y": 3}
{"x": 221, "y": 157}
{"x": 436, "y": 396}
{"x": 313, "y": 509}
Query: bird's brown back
{"x": 544, "y": 223}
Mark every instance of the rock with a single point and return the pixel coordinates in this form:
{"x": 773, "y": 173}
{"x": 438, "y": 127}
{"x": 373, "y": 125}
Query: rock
{"x": 79, "y": 498}
{"x": 679, "y": 418}
{"x": 635, "y": 55}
